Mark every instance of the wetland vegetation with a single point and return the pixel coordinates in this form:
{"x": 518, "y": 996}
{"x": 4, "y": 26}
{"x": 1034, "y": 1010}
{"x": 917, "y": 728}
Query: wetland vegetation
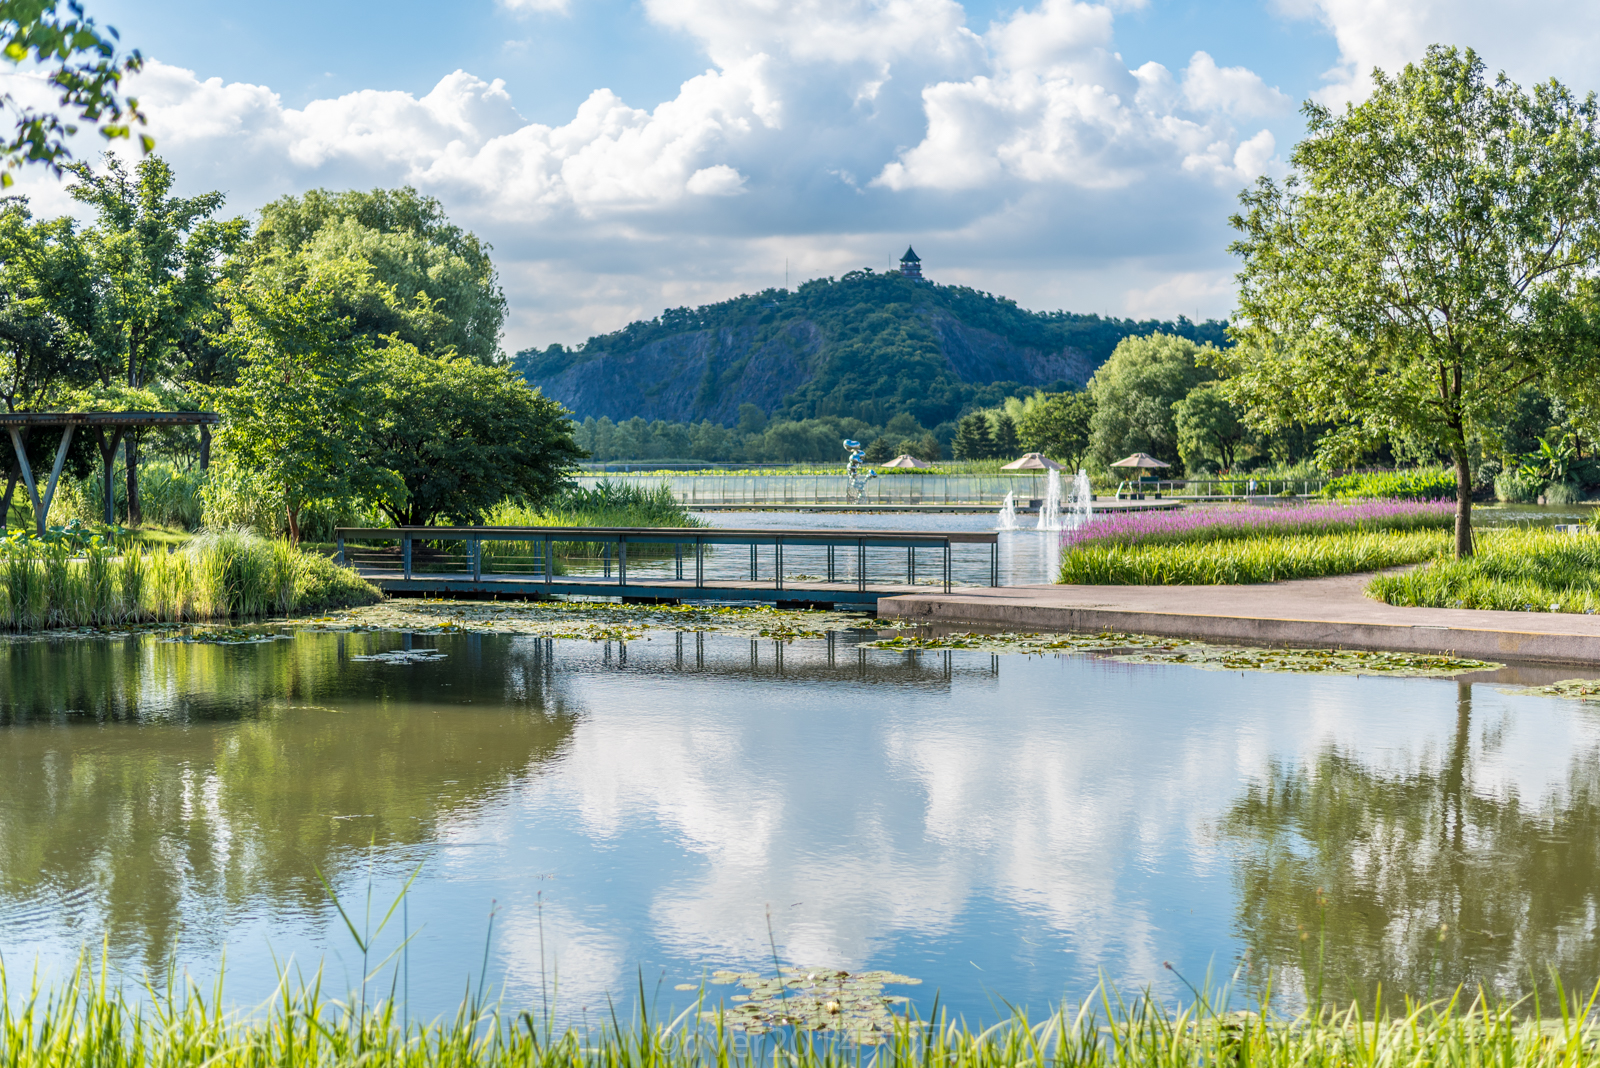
{"x": 89, "y": 581}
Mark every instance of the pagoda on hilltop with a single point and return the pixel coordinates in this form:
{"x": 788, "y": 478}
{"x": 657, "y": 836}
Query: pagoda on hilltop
{"x": 911, "y": 264}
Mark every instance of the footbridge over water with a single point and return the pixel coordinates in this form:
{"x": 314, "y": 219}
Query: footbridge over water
{"x": 668, "y": 564}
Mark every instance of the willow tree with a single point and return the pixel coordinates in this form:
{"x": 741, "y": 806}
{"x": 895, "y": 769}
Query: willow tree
{"x": 1433, "y": 251}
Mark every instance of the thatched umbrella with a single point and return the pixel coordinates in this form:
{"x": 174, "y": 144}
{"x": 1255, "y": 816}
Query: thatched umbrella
{"x": 906, "y": 460}
{"x": 1033, "y": 461}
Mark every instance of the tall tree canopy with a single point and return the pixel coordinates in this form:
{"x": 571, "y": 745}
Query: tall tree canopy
{"x": 430, "y": 283}
{"x": 85, "y": 74}
{"x": 155, "y": 262}
{"x": 1134, "y": 393}
{"x": 462, "y": 437}
{"x": 45, "y": 293}
{"x": 1432, "y": 253}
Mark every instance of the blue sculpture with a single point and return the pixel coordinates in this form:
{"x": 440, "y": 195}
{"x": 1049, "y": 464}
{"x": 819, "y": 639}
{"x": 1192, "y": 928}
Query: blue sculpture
{"x": 856, "y": 481}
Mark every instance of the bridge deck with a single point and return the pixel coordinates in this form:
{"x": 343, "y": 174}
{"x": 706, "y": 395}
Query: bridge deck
{"x": 416, "y": 565}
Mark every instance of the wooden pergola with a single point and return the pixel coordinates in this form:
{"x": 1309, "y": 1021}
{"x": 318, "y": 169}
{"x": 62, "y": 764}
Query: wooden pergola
{"x": 109, "y": 429}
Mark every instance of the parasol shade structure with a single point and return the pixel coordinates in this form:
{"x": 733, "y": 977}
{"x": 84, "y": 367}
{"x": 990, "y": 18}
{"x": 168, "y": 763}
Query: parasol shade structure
{"x": 1033, "y": 461}
{"x": 1140, "y": 459}
{"x": 906, "y": 460}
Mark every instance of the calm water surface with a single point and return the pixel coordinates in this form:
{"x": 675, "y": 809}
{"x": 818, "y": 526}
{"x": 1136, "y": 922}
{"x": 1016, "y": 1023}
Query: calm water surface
{"x": 579, "y": 815}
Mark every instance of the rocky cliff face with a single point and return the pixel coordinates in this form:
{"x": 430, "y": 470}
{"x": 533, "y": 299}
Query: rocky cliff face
{"x": 979, "y": 356}
{"x": 708, "y": 374}
{"x": 701, "y": 374}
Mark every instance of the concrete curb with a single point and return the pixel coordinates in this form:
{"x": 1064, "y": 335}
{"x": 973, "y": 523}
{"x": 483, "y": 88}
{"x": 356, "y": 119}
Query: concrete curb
{"x": 1436, "y": 638}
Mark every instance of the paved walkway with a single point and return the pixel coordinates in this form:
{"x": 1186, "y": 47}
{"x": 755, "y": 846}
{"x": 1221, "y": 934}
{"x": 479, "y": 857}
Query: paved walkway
{"x": 1325, "y": 613}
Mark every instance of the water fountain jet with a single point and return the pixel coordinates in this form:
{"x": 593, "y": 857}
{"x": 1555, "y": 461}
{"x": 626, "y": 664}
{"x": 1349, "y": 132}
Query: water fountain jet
{"x": 1008, "y": 512}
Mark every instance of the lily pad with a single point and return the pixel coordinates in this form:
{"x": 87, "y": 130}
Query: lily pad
{"x": 852, "y": 1006}
{"x": 404, "y": 656}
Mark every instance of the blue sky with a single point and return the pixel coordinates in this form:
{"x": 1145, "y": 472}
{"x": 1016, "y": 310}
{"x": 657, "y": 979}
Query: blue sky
{"x": 627, "y": 155}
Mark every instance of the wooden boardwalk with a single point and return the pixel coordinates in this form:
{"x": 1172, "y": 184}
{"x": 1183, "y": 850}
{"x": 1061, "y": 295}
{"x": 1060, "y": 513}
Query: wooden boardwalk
{"x": 671, "y": 563}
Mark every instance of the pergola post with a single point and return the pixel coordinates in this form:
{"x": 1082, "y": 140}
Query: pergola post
{"x": 41, "y": 506}
{"x": 108, "y": 460}
{"x": 124, "y": 430}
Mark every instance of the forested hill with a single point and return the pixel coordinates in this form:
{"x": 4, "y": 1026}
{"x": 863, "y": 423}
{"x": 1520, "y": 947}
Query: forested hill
{"x": 868, "y": 346}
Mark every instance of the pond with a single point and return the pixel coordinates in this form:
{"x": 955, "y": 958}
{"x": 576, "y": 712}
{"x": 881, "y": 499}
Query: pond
{"x": 580, "y": 817}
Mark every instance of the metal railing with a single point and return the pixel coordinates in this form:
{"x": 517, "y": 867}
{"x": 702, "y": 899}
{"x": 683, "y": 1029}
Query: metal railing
{"x": 421, "y": 552}
{"x": 925, "y": 490}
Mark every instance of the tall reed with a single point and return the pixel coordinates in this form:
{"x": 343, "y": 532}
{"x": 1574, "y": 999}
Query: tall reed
{"x": 229, "y": 575}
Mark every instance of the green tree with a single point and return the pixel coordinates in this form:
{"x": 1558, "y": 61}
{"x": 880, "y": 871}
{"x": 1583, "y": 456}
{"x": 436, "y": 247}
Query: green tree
{"x": 924, "y": 448}
{"x": 1135, "y": 390}
{"x": 85, "y": 72}
{"x": 1432, "y": 253}
{"x": 1058, "y": 425}
{"x": 44, "y": 290}
{"x": 305, "y": 394}
{"x": 1209, "y": 427}
{"x": 881, "y": 450}
{"x": 156, "y": 263}
{"x": 429, "y": 283}
{"x": 1005, "y": 437}
{"x": 461, "y": 437}
{"x": 973, "y": 438}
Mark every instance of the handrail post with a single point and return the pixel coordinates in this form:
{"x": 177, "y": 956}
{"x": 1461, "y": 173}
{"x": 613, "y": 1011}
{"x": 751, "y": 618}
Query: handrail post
{"x": 476, "y": 547}
{"x": 549, "y": 565}
{"x": 994, "y": 563}
{"x": 861, "y": 565}
{"x": 947, "y": 565}
{"x": 405, "y": 553}
{"x": 777, "y": 563}
{"x": 699, "y": 563}
{"x": 340, "y": 536}
{"x": 622, "y": 560}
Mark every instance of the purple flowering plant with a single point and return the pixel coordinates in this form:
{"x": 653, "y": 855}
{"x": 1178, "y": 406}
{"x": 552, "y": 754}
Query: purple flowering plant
{"x": 1229, "y": 522}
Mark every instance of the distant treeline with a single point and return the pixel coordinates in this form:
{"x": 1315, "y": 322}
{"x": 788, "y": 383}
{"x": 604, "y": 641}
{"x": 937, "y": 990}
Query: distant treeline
{"x": 755, "y": 439}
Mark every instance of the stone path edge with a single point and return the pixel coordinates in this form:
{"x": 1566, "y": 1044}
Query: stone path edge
{"x": 1479, "y": 638}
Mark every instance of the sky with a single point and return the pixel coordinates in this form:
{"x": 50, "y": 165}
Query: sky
{"x": 624, "y": 156}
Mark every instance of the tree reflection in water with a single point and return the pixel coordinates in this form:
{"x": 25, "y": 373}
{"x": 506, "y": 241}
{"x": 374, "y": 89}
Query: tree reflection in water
{"x": 154, "y": 788}
{"x": 1419, "y": 880}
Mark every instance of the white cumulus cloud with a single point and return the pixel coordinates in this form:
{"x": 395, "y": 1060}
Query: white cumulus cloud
{"x": 850, "y": 124}
{"x": 1230, "y": 90}
{"x": 1535, "y": 40}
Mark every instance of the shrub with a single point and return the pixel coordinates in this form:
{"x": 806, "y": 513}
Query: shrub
{"x": 1228, "y": 522}
{"x": 1266, "y": 558}
{"x": 1515, "y": 569}
{"x": 219, "y": 576}
{"x": 1425, "y": 485}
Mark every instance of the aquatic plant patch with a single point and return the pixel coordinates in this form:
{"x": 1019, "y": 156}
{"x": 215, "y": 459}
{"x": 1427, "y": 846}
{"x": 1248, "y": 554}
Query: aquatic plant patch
{"x": 1008, "y": 642}
{"x": 223, "y": 636}
{"x": 404, "y": 656}
{"x": 590, "y": 620}
{"x": 1311, "y": 661}
{"x": 851, "y": 1005}
{"x": 1209, "y": 523}
{"x": 1515, "y": 569}
{"x": 1147, "y": 649}
{"x": 1574, "y": 689}
{"x": 1259, "y": 558}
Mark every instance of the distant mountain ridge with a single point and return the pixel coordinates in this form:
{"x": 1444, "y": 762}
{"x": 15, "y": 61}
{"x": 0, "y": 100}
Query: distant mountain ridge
{"x": 867, "y": 346}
